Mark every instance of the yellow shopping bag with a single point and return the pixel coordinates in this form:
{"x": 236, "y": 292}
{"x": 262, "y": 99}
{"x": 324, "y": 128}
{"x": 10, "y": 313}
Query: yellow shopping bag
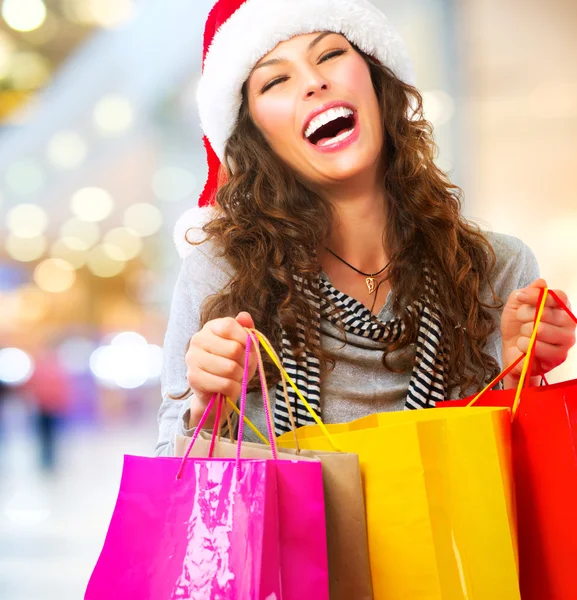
{"x": 439, "y": 500}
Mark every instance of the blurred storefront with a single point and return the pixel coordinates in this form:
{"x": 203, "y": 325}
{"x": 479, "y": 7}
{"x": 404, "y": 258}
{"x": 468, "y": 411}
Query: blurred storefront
{"x": 100, "y": 153}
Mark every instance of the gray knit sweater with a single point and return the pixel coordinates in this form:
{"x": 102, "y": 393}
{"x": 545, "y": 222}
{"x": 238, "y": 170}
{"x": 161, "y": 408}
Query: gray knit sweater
{"x": 358, "y": 385}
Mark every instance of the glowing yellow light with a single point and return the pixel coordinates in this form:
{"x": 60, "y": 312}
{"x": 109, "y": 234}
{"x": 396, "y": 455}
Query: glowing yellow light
{"x": 29, "y": 71}
{"x": 44, "y": 34}
{"x": 144, "y": 219}
{"x": 27, "y": 220}
{"x": 102, "y": 265}
{"x": 54, "y": 275}
{"x": 113, "y": 115}
{"x": 24, "y": 15}
{"x": 25, "y": 177}
{"x": 79, "y": 235}
{"x": 92, "y": 204}
{"x": 6, "y": 51}
{"x": 126, "y": 243}
{"x": 25, "y": 249}
{"x": 77, "y": 258}
{"x": 172, "y": 184}
{"x": 67, "y": 150}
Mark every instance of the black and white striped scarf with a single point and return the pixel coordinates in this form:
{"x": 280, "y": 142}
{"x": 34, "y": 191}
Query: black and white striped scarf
{"x": 428, "y": 380}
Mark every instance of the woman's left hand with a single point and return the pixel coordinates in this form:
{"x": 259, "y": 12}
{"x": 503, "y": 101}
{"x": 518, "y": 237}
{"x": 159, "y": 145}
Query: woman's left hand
{"x": 555, "y": 336}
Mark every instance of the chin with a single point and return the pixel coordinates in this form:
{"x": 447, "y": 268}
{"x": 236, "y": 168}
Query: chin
{"x": 346, "y": 169}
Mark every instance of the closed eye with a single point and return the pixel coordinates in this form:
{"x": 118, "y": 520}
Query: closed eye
{"x": 272, "y": 83}
{"x": 331, "y": 54}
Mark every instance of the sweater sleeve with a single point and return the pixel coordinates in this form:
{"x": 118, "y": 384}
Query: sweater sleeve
{"x": 200, "y": 276}
{"x": 516, "y": 267}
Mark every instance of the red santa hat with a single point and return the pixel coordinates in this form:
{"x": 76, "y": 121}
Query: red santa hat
{"x": 239, "y": 33}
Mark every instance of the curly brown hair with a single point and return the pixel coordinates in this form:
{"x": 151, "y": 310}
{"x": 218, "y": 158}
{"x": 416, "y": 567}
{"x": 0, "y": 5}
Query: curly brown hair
{"x": 268, "y": 224}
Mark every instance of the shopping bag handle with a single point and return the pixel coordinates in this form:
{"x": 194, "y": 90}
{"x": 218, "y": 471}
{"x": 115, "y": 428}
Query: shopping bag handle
{"x": 251, "y": 339}
{"x": 269, "y": 350}
{"x": 530, "y": 355}
{"x": 248, "y": 422}
{"x": 264, "y": 384}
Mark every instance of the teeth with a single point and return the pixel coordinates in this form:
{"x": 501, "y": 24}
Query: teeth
{"x": 326, "y": 117}
{"x": 343, "y": 136}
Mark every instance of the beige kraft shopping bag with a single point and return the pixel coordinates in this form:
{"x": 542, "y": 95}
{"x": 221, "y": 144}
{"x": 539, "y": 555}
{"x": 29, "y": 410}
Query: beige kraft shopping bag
{"x": 350, "y": 577}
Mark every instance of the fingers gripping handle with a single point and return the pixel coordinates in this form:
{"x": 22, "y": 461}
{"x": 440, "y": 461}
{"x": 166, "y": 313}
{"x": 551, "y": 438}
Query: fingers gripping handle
{"x": 529, "y": 356}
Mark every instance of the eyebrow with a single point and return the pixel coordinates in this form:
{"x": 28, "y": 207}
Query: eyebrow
{"x": 276, "y": 61}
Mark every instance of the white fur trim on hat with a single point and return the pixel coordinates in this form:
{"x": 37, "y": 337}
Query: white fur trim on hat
{"x": 258, "y": 26}
{"x": 189, "y": 227}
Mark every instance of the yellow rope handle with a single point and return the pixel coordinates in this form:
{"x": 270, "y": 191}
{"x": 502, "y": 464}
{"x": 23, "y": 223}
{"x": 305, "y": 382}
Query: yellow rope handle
{"x": 248, "y": 422}
{"x": 313, "y": 414}
{"x": 496, "y": 380}
{"x": 532, "y": 342}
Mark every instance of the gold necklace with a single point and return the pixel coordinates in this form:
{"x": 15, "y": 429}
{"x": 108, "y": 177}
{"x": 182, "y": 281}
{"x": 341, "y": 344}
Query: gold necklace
{"x": 370, "y": 277}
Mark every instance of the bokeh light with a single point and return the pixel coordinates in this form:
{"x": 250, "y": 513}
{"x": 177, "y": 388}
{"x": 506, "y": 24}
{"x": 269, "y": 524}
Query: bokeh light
{"x": 127, "y": 362}
{"x": 79, "y": 235}
{"x": 27, "y": 220}
{"x": 113, "y": 115}
{"x": 54, "y": 275}
{"x": 438, "y": 107}
{"x": 25, "y": 177}
{"x": 7, "y": 49}
{"x": 67, "y": 150}
{"x": 92, "y": 204}
{"x": 172, "y": 184}
{"x": 24, "y": 15}
{"x": 75, "y": 257}
{"x": 16, "y": 366}
{"x": 101, "y": 263}
{"x": 145, "y": 219}
{"x": 122, "y": 243}
{"x": 25, "y": 249}
{"x": 29, "y": 71}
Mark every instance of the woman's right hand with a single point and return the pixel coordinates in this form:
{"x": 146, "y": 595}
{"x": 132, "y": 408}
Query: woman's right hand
{"x": 215, "y": 363}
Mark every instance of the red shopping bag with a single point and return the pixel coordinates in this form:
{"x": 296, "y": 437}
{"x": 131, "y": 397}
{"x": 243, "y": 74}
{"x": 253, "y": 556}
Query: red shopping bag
{"x": 216, "y": 528}
{"x": 544, "y": 437}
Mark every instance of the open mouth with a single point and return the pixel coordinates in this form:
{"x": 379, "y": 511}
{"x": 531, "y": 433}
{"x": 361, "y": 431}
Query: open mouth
{"x": 331, "y": 127}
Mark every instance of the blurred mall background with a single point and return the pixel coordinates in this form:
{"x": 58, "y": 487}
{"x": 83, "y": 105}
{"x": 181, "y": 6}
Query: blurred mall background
{"x": 100, "y": 153}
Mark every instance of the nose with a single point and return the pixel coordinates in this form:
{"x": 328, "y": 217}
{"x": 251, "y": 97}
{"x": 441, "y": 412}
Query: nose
{"x": 313, "y": 90}
{"x": 315, "y": 84}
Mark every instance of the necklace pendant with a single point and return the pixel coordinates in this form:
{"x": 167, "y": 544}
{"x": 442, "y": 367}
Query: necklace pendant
{"x": 370, "y": 284}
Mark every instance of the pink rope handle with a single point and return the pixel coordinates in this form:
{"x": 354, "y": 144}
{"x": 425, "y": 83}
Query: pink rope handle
{"x": 265, "y": 398}
{"x": 216, "y": 428}
{"x": 195, "y": 435}
{"x": 249, "y": 342}
{"x": 243, "y": 393}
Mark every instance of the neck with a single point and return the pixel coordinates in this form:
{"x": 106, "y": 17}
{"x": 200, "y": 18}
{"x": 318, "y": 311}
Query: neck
{"x": 358, "y": 228}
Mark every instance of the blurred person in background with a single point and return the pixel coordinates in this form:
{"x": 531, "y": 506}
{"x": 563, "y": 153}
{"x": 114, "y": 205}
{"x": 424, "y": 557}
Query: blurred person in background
{"x": 331, "y": 230}
{"x": 49, "y": 391}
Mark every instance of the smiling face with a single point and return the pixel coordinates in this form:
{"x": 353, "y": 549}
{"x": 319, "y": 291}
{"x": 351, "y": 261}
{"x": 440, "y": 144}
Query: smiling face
{"x": 313, "y": 100}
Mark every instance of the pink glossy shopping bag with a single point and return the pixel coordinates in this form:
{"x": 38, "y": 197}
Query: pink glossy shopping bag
{"x": 215, "y": 529}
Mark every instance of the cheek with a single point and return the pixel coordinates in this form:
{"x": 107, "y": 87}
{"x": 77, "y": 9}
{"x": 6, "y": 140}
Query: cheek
{"x": 274, "y": 116}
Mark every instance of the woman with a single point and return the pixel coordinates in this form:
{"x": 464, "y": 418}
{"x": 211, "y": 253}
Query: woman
{"x": 334, "y": 233}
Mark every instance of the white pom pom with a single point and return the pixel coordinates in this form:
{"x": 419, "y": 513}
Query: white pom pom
{"x": 189, "y": 227}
